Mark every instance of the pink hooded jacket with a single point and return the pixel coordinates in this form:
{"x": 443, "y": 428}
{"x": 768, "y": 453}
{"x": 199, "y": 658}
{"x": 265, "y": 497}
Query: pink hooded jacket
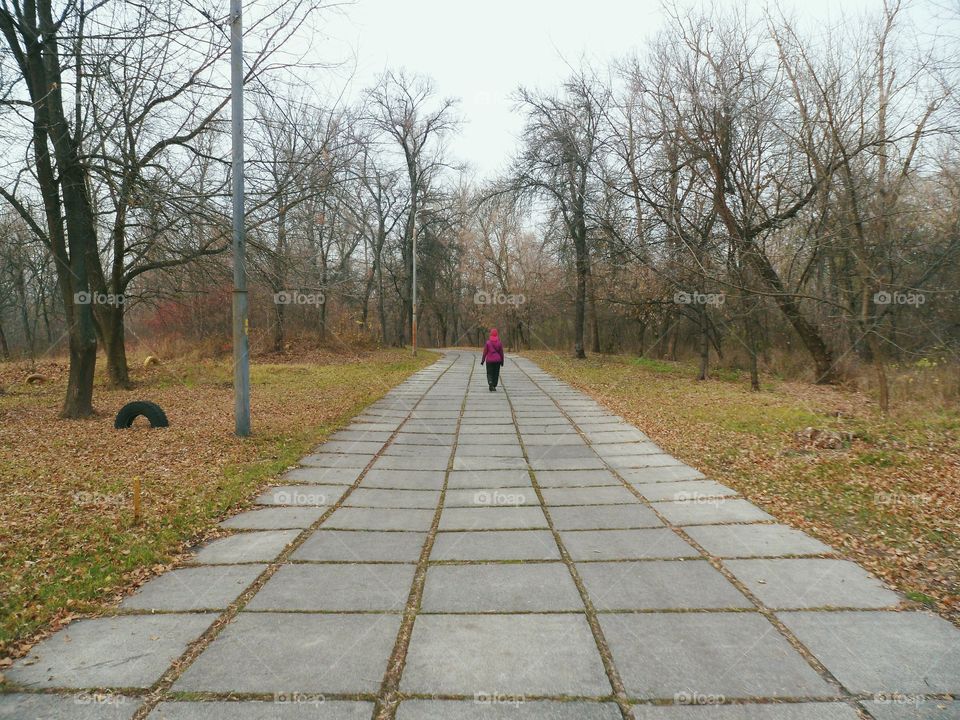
{"x": 493, "y": 350}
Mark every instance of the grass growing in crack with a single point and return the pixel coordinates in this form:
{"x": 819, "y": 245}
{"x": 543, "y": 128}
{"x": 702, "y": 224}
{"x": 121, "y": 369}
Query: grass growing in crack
{"x": 890, "y": 499}
{"x": 67, "y": 541}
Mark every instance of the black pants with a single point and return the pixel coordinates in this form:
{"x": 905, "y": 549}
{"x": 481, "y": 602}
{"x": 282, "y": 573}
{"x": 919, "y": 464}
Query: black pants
{"x": 493, "y": 373}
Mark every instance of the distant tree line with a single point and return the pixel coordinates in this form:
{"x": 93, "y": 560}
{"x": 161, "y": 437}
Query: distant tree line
{"x": 738, "y": 188}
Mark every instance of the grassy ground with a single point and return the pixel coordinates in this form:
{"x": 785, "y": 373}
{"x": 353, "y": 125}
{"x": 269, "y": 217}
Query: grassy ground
{"x": 67, "y": 541}
{"x": 890, "y": 499}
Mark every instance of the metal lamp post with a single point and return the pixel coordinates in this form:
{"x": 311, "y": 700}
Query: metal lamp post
{"x": 241, "y": 324}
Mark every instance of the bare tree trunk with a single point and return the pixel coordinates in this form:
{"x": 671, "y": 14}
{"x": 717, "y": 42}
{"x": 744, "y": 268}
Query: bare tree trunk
{"x": 381, "y": 308}
{"x": 114, "y": 343}
{"x": 279, "y": 327}
{"x": 4, "y": 348}
{"x": 751, "y": 332}
{"x": 583, "y": 270}
{"x": 641, "y": 337}
{"x": 879, "y": 366}
{"x": 21, "y": 288}
{"x": 704, "y": 344}
{"x": 594, "y": 316}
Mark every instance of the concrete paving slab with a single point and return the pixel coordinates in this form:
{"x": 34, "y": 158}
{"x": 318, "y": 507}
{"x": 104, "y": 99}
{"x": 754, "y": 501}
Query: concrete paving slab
{"x": 492, "y": 518}
{"x": 802, "y": 583}
{"x": 361, "y": 546}
{"x": 400, "y": 462}
{"x": 746, "y": 711}
{"x": 536, "y": 440}
{"x": 534, "y": 587}
{"x": 576, "y": 478}
{"x": 211, "y": 587}
{"x": 331, "y": 460}
{"x": 471, "y": 462}
{"x": 878, "y": 651}
{"x": 627, "y": 449}
{"x": 501, "y": 707}
{"x": 420, "y": 439}
{"x": 302, "y": 495}
{"x": 274, "y": 518}
{"x": 755, "y": 541}
{"x": 492, "y": 497}
{"x": 626, "y": 544}
{"x": 436, "y": 451}
{"x": 364, "y": 435}
{"x": 286, "y": 706}
{"x": 641, "y": 461}
{"x": 509, "y": 654}
{"x": 245, "y": 547}
{"x": 350, "y": 518}
{"x": 351, "y": 447}
{"x": 560, "y": 452}
{"x": 583, "y": 463}
{"x": 295, "y": 652}
{"x": 607, "y": 517}
{"x": 82, "y": 706}
{"x": 404, "y": 479}
{"x": 344, "y": 588}
{"x": 659, "y": 585}
{"x": 910, "y": 707}
{"x": 495, "y": 545}
{"x": 320, "y": 476}
{"x": 684, "y": 491}
{"x": 487, "y": 439}
{"x": 582, "y": 496}
{"x": 484, "y": 479}
{"x": 733, "y": 655}
{"x": 490, "y": 451}
{"x": 673, "y": 473}
{"x": 130, "y": 651}
{"x": 610, "y": 437}
{"x": 375, "y": 498}
{"x": 711, "y": 511}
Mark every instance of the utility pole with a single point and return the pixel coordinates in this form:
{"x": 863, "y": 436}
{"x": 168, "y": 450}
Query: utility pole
{"x": 241, "y": 323}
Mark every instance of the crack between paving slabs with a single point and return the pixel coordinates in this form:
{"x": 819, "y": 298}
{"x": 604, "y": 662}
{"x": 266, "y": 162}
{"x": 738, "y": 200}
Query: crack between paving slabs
{"x": 613, "y": 674}
{"x": 388, "y": 697}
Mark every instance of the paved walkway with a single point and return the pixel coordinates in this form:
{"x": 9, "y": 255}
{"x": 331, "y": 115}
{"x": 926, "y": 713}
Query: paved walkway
{"x": 460, "y": 554}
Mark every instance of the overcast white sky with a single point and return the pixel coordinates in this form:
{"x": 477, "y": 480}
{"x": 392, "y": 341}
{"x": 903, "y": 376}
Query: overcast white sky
{"x": 481, "y": 52}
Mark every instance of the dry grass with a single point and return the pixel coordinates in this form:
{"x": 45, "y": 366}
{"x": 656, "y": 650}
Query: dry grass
{"x": 67, "y": 541}
{"x": 891, "y": 500}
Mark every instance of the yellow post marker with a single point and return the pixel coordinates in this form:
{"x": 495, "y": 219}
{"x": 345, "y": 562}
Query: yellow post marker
{"x": 136, "y": 500}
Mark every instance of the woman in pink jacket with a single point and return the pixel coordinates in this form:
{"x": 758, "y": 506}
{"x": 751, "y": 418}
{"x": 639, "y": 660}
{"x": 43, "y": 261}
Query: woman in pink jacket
{"x": 493, "y": 357}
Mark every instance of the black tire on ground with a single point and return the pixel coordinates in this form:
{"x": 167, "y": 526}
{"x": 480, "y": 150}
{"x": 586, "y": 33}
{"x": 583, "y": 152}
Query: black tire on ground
{"x": 131, "y": 411}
